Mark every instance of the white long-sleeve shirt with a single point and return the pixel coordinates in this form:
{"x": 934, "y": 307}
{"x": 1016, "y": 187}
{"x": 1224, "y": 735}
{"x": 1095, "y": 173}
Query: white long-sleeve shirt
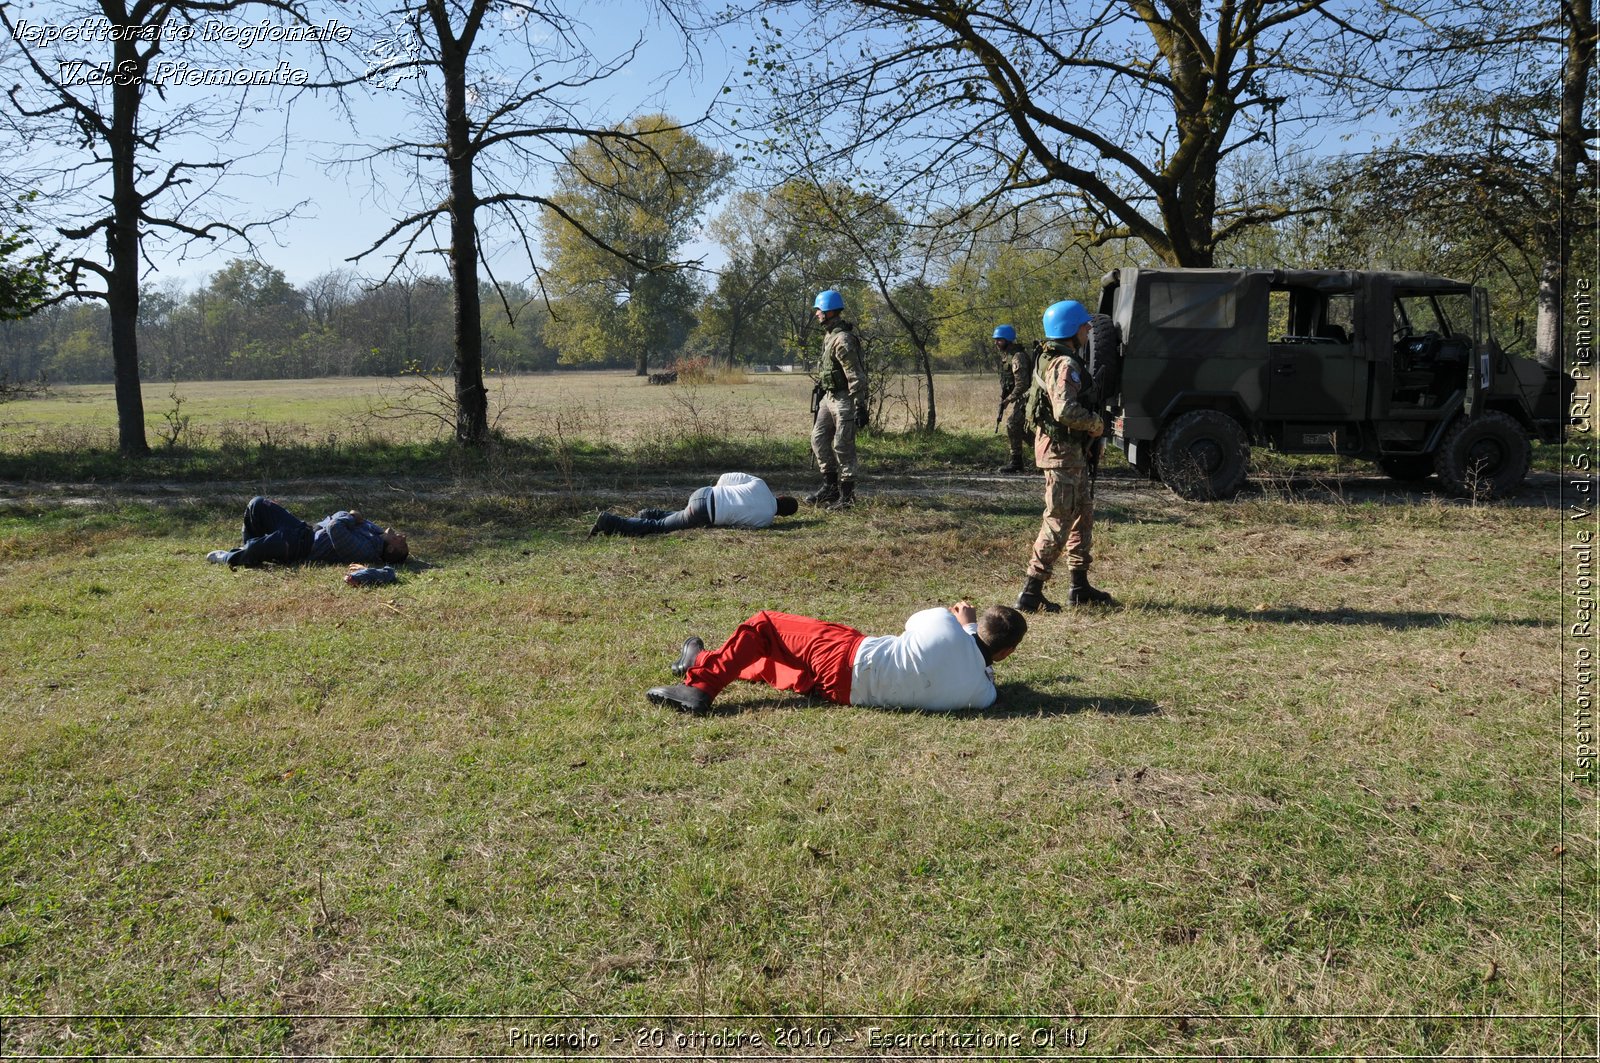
{"x": 935, "y": 664}
{"x": 743, "y": 501}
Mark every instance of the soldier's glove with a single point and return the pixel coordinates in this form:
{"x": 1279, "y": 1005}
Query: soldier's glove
{"x": 863, "y": 415}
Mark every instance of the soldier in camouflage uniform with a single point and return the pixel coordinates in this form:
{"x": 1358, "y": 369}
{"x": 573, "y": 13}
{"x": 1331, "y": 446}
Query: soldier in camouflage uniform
{"x": 1064, "y": 432}
{"x": 1016, "y": 374}
{"x": 841, "y": 406}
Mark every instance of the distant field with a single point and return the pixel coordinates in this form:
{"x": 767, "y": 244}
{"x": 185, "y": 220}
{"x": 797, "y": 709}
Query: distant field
{"x": 1299, "y": 796}
{"x": 614, "y": 407}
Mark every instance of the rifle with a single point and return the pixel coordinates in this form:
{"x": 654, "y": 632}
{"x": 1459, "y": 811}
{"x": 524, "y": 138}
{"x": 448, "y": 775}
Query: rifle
{"x": 1092, "y": 453}
{"x": 817, "y": 391}
{"x": 1095, "y": 449}
{"x": 999, "y": 413}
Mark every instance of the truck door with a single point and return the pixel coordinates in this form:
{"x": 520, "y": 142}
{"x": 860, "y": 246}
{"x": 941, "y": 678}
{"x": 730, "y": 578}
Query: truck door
{"x": 1313, "y": 375}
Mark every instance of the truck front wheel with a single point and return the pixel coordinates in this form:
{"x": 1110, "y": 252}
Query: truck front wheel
{"x": 1203, "y": 455}
{"x": 1487, "y": 457}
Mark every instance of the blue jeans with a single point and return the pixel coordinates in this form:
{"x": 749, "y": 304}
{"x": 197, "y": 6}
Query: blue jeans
{"x": 272, "y": 533}
{"x": 697, "y": 514}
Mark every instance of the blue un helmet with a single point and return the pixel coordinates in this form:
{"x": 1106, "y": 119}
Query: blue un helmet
{"x": 829, "y": 300}
{"x": 1064, "y": 319}
{"x": 1007, "y": 333}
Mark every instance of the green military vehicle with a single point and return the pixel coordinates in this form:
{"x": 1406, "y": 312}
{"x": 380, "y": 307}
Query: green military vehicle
{"x": 1196, "y": 365}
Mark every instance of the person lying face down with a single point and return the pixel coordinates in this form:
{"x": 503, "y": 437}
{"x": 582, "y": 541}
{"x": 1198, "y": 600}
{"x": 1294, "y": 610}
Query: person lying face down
{"x": 943, "y": 660}
{"x": 736, "y": 500}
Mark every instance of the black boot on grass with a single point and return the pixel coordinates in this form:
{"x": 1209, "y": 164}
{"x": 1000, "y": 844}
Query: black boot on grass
{"x": 826, "y": 494}
{"x": 1032, "y": 598}
{"x": 1081, "y": 593}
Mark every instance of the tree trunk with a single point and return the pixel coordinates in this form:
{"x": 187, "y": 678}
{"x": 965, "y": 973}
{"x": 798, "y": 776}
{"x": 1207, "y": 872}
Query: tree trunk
{"x": 1571, "y": 142}
{"x": 927, "y": 376}
{"x": 642, "y": 366}
{"x": 472, "y": 400}
{"x": 122, "y": 244}
{"x": 1547, "y": 323}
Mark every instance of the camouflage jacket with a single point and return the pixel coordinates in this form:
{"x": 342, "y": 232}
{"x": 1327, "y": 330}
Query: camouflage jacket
{"x": 1065, "y": 425}
{"x": 842, "y": 369}
{"x": 1016, "y": 374}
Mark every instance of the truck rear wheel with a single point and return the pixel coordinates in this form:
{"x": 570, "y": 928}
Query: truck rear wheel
{"x": 1203, "y": 455}
{"x": 1486, "y": 457}
{"x": 1407, "y": 468}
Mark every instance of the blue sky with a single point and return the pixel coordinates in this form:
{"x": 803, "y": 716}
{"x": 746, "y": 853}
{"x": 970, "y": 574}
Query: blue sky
{"x": 347, "y": 213}
{"x": 283, "y": 152}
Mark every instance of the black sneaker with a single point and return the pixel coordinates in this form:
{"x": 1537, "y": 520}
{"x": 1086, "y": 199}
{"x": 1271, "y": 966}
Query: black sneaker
{"x": 680, "y": 696}
{"x": 692, "y": 649}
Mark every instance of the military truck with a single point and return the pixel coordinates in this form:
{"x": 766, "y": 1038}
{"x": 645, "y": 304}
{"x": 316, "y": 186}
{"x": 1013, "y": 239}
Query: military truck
{"x": 1197, "y": 365}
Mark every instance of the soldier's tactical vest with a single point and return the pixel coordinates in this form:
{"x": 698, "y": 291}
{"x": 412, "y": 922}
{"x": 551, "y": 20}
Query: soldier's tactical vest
{"x": 1041, "y": 417}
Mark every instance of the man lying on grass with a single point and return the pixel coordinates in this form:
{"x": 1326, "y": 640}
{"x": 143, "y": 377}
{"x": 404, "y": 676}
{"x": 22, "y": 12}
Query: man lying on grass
{"x": 272, "y": 533}
{"x": 943, "y": 660}
{"x": 736, "y": 500}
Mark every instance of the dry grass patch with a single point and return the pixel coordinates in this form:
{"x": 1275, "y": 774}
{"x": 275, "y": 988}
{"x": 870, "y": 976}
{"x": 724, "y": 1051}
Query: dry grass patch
{"x": 1303, "y": 769}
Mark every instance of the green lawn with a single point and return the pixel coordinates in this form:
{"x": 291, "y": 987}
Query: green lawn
{"x": 1310, "y": 768}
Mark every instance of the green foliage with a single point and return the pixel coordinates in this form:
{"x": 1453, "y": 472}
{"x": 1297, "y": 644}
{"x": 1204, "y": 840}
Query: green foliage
{"x": 247, "y": 322}
{"x": 514, "y": 320}
{"x": 29, "y": 273}
{"x": 624, "y": 207}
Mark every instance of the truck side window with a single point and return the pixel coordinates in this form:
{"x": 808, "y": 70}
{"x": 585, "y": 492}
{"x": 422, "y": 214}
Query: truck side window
{"x": 1192, "y": 305}
{"x": 1305, "y": 317}
{"x": 1339, "y": 318}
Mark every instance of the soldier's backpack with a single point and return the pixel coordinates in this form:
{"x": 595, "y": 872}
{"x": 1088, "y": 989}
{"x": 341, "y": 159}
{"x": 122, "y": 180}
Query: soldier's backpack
{"x": 1041, "y": 416}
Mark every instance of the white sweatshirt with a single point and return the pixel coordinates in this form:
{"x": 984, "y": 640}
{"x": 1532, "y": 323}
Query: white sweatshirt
{"x": 935, "y": 664}
{"x": 743, "y": 501}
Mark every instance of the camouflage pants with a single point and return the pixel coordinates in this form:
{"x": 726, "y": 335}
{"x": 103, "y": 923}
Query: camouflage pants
{"x": 1017, "y": 432}
{"x": 833, "y": 437}
{"x": 1068, "y": 523}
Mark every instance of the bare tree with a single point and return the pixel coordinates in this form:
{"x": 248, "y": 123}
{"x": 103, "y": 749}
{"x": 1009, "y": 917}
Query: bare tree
{"x": 1574, "y": 155}
{"x": 101, "y": 105}
{"x": 895, "y": 257}
{"x": 503, "y": 83}
{"x": 1501, "y": 172}
{"x": 1126, "y": 110}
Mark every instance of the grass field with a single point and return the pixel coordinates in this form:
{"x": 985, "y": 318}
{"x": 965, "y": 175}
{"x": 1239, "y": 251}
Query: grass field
{"x": 1299, "y": 795}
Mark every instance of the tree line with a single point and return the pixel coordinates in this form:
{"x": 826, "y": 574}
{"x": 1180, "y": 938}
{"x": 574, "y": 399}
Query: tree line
{"x": 946, "y": 163}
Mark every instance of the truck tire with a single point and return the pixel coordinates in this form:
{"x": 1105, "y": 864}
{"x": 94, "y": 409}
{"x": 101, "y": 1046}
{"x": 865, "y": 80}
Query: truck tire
{"x": 1203, "y": 455}
{"x": 1105, "y": 356}
{"x": 1486, "y": 457}
{"x": 1407, "y": 468}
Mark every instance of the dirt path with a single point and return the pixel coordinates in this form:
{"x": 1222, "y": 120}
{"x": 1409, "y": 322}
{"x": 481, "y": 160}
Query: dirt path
{"x": 1542, "y": 490}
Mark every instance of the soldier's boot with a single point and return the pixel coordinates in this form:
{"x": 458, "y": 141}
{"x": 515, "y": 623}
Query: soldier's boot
{"x": 1015, "y": 464}
{"x": 847, "y": 495}
{"x": 828, "y": 492}
{"x": 1081, "y": 593}
{"x": 1032, "y": 598}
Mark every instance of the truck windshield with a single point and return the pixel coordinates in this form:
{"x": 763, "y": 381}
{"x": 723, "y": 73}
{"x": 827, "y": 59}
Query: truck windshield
{"x": 1442, "y": 314}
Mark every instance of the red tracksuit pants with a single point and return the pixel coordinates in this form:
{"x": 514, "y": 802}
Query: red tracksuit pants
{"x": 788, "y": 652}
